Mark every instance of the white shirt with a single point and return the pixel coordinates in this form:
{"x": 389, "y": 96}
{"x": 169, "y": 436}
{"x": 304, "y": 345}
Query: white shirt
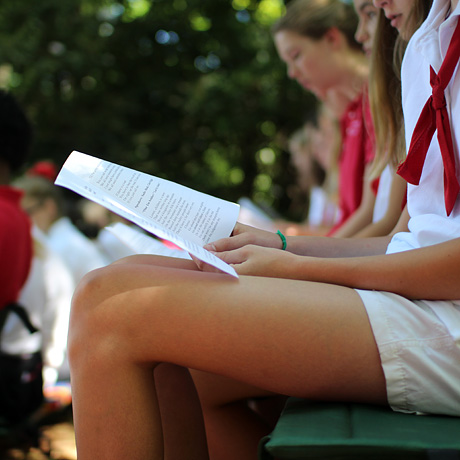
{"x": 111, "y": 246}
{"x": 429, "y": 223}
{"x": 322, "y": 210}
{"x": 46, "y": 296}
{"x": 79, "y": 253}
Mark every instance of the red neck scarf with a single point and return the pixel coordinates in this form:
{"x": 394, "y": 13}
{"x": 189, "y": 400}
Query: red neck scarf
{"x": 434, "y": 117}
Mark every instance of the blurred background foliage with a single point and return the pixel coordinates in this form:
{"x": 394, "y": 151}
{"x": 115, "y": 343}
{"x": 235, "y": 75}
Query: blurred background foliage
{"x": 188, "y": 90}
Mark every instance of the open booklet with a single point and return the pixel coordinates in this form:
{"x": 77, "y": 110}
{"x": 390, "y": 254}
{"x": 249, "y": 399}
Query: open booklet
{"x": 184, "y": 216}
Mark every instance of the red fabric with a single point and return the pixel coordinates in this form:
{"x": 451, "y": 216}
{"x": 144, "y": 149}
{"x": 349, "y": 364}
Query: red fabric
{"x": 15, "y": 245}
{"x": 45, "y": 169}
{"x": 358, "y": 150}
{"x": 434, "y": 117}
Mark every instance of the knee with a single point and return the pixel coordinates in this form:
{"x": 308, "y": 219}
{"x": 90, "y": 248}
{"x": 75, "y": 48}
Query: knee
{"x": 86, "y": 297}
{"x": 88, "y": 322}
{"x": 92, "y": 289}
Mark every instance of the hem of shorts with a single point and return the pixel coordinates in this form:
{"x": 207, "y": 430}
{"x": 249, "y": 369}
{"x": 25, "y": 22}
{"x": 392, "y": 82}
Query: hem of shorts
{"x": 389, "y": 350}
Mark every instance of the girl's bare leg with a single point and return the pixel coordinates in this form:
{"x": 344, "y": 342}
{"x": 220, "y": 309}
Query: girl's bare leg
{"x": 234, "y": 427}
{"x": 179, "y": 403}
{"x": 298, "y": 338}
{"x": 174, "y": 396}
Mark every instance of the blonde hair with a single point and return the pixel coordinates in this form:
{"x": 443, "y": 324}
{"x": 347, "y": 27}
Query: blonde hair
{"x": 41, "y": 189}
{"x": 385, "y": 88}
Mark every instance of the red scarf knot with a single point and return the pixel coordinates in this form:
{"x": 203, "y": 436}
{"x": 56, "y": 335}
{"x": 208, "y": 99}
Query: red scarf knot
{"x": 434, "y": 117}
{"x": 438, "y": 99}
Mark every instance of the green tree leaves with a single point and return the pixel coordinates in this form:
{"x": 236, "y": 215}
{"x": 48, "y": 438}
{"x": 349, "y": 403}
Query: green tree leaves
{"x": 189, "y": 90}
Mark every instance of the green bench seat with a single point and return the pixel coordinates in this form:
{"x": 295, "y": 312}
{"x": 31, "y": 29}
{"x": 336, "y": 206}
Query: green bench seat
{"x": 318, "y": 430}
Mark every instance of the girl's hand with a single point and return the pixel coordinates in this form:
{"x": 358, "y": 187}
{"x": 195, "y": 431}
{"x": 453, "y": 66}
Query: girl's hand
{"x": 244, "y": 235}
{"x": 254, "y": 260}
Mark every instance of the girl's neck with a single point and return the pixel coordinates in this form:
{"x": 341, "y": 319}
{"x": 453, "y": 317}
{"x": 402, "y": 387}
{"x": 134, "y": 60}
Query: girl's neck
{"x": 355, "y": 76}
{"x": 451, "y": 6}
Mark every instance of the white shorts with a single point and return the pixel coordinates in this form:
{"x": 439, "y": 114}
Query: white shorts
{"x": 420, "y": 357}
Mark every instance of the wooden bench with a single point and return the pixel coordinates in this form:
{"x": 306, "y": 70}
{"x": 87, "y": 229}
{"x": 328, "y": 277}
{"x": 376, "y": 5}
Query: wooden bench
{"x": 317, "y": 430}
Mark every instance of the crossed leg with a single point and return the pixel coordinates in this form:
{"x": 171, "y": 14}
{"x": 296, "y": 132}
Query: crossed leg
{"x": 283, "y": 336}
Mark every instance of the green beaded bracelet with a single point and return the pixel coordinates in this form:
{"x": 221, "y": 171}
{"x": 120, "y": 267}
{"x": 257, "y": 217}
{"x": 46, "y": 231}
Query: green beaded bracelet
{"x": 283, "y": 239}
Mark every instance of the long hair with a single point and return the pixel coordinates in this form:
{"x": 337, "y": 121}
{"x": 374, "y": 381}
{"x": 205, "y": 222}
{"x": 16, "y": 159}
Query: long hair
{"x": 385, "y": 87}
{"x": 313, "y": 18}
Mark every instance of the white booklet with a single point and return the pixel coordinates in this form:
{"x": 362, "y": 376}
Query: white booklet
{"x": 186, "y": 217}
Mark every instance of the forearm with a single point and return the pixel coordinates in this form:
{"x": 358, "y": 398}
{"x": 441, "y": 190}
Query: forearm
{"x": 360, "y": 219}
{"x": 393, "y": 212}
{"x": 315, "y": 246}
{"x": 345, "y": 247}
{"x": 362, "y": 216}
{"x": 428, "y": 273}
{"x": 318, "y": 246}
{"x": 381, "y": 227}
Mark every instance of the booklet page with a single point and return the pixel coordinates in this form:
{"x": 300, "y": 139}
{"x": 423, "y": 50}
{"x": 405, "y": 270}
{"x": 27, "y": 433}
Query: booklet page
{"x": 184, "y": 216}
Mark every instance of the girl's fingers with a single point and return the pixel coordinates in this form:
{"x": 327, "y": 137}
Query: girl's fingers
{"x": 244, "y": 235}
